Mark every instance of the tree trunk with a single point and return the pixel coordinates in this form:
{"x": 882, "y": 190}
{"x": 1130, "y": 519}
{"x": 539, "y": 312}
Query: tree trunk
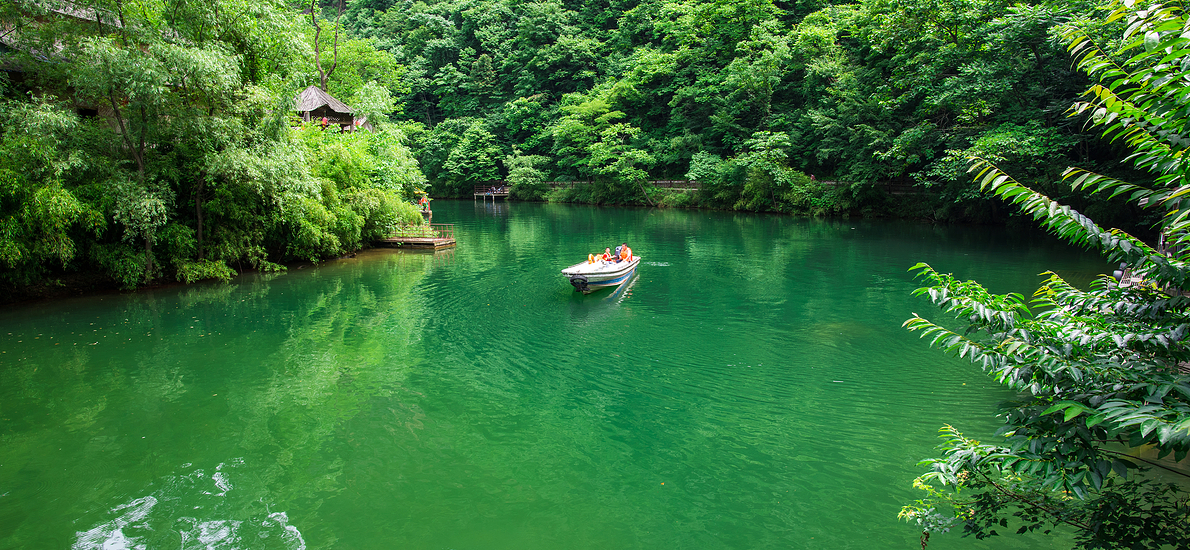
{"x": 641, "y": 184}
{"x": 198, "y": 215}
{"x": 324, "y": 75}
{"x": 334, "y": 63}
{"x": 148, "y": 259}
{"x": 136, "y": 153}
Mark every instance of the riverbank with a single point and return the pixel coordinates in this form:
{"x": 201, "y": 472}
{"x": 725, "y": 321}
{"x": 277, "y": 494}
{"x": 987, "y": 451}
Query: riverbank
{"x": 79, "y": 284}
{"x": 65, "y": 284}
{"x": 837, "y": 200}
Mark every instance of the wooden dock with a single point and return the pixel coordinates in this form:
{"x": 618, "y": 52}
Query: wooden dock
{"x": 494, "y": 190}
{"x": 432, "y": 236}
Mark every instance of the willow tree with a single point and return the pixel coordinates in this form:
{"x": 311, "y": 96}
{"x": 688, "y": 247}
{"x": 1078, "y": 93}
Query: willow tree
{"x": 1101, "y": 373}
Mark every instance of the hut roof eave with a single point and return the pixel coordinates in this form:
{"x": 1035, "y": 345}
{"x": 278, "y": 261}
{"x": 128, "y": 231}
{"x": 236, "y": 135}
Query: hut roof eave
{"x": 313, "y": 97}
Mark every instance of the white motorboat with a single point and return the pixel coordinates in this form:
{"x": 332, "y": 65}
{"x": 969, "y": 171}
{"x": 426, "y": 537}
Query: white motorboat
{"x": 591, "y": 275}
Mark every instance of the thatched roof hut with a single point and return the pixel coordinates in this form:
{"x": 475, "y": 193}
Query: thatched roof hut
{"x": 315, "y": 104}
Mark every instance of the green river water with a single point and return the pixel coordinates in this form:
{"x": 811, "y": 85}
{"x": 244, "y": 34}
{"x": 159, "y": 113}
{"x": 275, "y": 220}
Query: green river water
{"x": 750, "y": 388}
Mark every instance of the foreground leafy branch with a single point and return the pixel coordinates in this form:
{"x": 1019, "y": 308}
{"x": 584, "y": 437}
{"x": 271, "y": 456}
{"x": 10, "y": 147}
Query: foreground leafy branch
{"x": 1099, "y": 371}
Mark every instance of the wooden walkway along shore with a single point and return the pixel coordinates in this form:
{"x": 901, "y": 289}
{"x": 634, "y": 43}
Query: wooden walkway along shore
{"x": 672, "y": 185}
{"x": 432, "y": 236}
{"x": 498, "y": 189}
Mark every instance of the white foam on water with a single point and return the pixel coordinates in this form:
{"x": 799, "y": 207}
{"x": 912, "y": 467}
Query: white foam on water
{"x": 143, "y": 515}
{"x": 291, "y": 535}
{"x": 209, "y": 534}
{"x": 117, "y": 541}
{"x": 657, "y": 264}
{"x": 221, "y": 482}
{"x": 110, "y": 535}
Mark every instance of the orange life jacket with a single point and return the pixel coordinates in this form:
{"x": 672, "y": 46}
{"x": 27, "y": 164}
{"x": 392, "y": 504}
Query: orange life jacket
{"x": 625, "y": 253}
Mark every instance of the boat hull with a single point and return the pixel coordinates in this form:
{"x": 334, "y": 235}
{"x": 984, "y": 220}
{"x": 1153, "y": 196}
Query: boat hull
{"x": 589, "y": 276}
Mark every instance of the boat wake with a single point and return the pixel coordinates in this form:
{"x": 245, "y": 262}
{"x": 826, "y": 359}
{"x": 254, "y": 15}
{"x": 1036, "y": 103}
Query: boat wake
{"x": 197, "y": 508}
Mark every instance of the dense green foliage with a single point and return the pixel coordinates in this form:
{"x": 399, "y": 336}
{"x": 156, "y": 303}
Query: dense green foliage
{"x": 884, "y": 99}
{"x": 154, "y": 139}
{"x": 145, "y": 140}
{"x": 1101, "y": 372}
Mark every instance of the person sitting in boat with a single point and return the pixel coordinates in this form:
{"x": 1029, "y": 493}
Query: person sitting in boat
{"x": 607, "y": 255}
{"x": 625, "y": 253}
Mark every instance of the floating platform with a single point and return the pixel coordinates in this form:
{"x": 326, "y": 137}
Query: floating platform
{"x": 435, "y": 236}
{"x": 418, "y": 242}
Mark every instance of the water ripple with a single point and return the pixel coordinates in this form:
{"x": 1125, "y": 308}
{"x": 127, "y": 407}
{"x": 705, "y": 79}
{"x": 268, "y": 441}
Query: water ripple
{"x": 198, "y": 509}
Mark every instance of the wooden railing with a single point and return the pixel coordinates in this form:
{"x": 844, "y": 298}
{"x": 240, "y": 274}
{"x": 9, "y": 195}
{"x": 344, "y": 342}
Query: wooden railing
{"x": 443, "y": 230}
{"x": 566, "y": 184}
{"x": 687, "y": 185}
{"x": 497, "y": 188}
{"x": 426, "y": 231}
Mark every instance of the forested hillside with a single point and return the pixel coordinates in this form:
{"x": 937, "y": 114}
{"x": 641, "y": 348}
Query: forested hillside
{"x": 145, "y": 140}
{"x": 886, "y": 98}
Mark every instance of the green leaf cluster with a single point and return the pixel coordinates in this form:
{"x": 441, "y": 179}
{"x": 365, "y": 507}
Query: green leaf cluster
{"x": 1102, "y": 372}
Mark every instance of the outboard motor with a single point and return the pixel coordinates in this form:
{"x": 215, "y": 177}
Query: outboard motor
{"x": 1119, "y": 273}
{"x": 580, "y": 283}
